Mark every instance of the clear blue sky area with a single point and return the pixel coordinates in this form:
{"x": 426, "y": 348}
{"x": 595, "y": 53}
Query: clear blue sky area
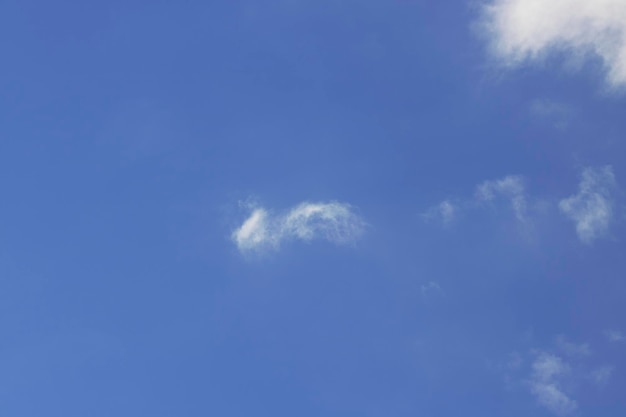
{"x": 307, "y": 208}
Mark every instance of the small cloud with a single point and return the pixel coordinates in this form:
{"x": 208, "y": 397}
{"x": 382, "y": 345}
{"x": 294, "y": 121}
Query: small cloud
{"x": 527, "y": 31}
{"x": 592, "y": 208}
{"x": 546, "y": 384}
{"x": 446, "y": 212}
{"x": 334, "y": 222}
{"x": 511, "y": 187}
{"x": 615, "y": 336}
{"x": 601, "y": 376}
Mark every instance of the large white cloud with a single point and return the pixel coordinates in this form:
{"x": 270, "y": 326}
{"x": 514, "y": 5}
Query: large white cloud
{"x": 529, "y": 30}
{"x": 335, "y": 222}
{"x": 591, "y": 208}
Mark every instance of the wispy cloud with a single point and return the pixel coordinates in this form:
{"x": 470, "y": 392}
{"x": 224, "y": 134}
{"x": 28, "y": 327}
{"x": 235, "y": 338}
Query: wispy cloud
{"x": 547, "y": 374}
{"x": 262, "y": 230}
{"x": 591, "y": 209}
{"x": 523, "y": 31}
{"x": 557, "y": 375}
{"x": 445, "y": 212}
{"x": 511, "y": 187}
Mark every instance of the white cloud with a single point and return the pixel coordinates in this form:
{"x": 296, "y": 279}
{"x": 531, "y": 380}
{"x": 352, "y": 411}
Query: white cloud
{"x": 546, "y": 384}
{"x": 592, "y": 208}
{"x": 333, "y": 221}
{"x": 523, "y": 31}
{"x": 511, "y": 187}
{"x": 615, "y": 336}
{"x": 254, "y": 232}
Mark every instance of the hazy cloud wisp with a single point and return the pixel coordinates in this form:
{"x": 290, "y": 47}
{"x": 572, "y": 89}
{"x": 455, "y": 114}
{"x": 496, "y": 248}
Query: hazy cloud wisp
{"x": 512, "y": 187}
{"x": 591, "y": 209}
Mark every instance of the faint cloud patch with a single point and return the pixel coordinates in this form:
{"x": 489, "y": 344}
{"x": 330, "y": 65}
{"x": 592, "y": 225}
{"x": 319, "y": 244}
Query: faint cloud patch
{"x": 430, "y": 289}
{"x": 591, "y": 209}
{"x": 615, "y": 336}
{"x": 262, "y": 230}
{"x": 571, "y": 348}
{"x": 602, "y": 375}
{"x": 528, "y": 31}
{"x": 553, "y": 112}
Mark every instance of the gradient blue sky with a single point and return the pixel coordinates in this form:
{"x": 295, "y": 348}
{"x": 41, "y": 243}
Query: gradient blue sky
{"x": 312, "y": 208}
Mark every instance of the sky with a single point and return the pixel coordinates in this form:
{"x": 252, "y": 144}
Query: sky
{"x": 313, "y": 208}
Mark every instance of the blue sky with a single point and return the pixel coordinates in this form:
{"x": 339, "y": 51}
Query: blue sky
{"x": 312, "y": 208}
